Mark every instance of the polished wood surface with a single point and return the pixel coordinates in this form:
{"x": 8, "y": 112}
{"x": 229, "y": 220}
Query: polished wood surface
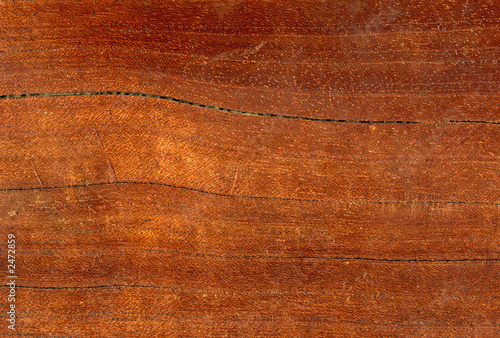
{"x": 251, "y": 168}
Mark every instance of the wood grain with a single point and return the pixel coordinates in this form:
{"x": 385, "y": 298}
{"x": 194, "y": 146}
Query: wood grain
{"x": 251, "y": 168}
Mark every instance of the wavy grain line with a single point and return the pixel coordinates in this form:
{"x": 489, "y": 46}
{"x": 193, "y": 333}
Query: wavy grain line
{"x": 233, "y": 111}
{"x": 90, "y": 185}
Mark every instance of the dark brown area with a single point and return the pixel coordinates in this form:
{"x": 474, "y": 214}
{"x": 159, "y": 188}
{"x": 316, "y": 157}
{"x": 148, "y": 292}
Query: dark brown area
{"x": 251, "y": 168}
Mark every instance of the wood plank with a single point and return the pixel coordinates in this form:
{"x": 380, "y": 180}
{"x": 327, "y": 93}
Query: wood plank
{"x": 250, "y": 168}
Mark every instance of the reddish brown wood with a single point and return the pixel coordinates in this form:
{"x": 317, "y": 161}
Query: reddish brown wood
{"x": 250, "y": 168}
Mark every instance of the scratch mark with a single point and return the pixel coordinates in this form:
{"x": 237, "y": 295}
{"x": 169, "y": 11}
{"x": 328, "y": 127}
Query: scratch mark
{"x": 36, "y": 174}
{"x": 90, "y": 209}
{"x": 259, "y": 46}
{"x": 250, "y": 193}
{"x": 110, "y": 165}
{"x": 238, "y": 52}
{"x": 235, "y": 177}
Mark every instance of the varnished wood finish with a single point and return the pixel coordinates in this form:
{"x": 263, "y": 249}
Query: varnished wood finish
{"x": 251, "y": 168}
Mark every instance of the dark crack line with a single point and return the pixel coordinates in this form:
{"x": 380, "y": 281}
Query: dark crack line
{"x": 286, "y": 258}
{"x": 225, "y": 291}
{"x": 194, "y": 104}
{"x": 480, "y": 260}
{"x": 90, "y": 185}
{"x": 376, "y": 260}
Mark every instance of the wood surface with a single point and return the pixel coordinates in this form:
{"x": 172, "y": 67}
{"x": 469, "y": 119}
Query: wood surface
{"x": 251, "y": 168}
